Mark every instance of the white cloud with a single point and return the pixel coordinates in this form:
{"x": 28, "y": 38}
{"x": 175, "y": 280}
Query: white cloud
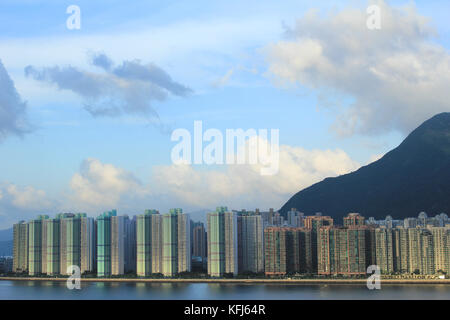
{"x": 27, "y": 197}
{"x": 242, "y": 186}
{"x": 22, "y": 202}
{"x": 100, "y": 185}
{"x": 13, "y": 111}
{"x": 395, "y": 77}
{"x": 190, "y": 50}
{"x": 128, "y": 88}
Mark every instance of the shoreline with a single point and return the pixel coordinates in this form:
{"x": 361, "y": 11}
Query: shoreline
{"x": 239, "y": 281}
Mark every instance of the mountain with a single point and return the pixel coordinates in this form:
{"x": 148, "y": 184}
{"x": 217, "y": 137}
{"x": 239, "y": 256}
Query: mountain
{"x": 411, "y": 178}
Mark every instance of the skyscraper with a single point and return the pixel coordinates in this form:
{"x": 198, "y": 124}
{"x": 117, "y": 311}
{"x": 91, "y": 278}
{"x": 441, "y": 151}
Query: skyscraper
{"x": 112, "y": 240}
{"x": 427, "y": 252}
{"x": 414, "y": 245}
{"x": 44, "y": 244}
{"x": 354, "y": 219}
{"x": 385, "y": 249}
{"x": 130, "y": 246}
{"x": 149, "y": 243}
{"x": 287, "y": 250}
{"x": 118, "y": 232}
{"x": 314, "y": 223}
{"x": 305, "y": 248}
{"x": 342, "y": 250}
{"x": 275, "y": 251}
{"x": 35, "y": 247}
{"x": 295, "y": 218}
{"x": 72, "y": 227}
{"x": 222, "y": 242}
{"x": 63, "y": 241}
{"x": 403, "y": 244}
{"x": 104, "y": 243}
{"x": 176, "y": 242}
{"x": 76, "y": 242}
{"x": 250, "y": 243}
{"x": 199, "y": 240}
{"x": 53, "y": 246}
{"x": 87, "y": 244}
{"x": 441, "y": 239}
{"x": 20, "y": 247}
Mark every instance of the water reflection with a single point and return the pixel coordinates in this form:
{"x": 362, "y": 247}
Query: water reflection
{"x": 56, "y": 290}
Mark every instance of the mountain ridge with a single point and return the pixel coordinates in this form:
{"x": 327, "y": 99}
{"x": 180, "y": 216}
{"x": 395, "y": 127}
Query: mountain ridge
{"x": 413, "y": 177}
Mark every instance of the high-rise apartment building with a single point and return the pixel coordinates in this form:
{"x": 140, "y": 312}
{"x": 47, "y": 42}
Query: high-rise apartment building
{"x": 199, "y": 240}
{"x": 354, "y": 219}
{"x": 53, "y": 246}
{"x": 130, "y": 246}
{"x": 76, "y": 242}
{"x": 342, "y": 250}
{"x": 20, "y": 247}
{"x": 72, "y": 230}
{"x": 287, "y": 250}
{"x": 222, "y": 242}
{"x": 104, "y": 243}
{"x": 35, "y": 247}
{"x": 275, "y": 251}
{"x": 441, "y": 240}
{"x": 314, "y": 223}
{"x": 250, "y": 243}
{"x": 113, "y": 237}
{"x": 385, "y": 249}
{"x": 421, "y": 251}
{"x": 414, "y": 254}
{"x": 149, "y": 243}
{"x": 176, "y": 251}
{"x": 87, "y": 244}
{"x": 427, "y": 252}
{"x": 295, "y": 218}
{"x": 118, "y": 234}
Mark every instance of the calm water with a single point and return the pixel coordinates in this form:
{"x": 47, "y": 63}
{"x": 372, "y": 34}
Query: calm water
{"x": 49, "y": 290}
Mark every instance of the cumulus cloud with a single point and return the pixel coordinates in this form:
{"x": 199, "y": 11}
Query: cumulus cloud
{"x": 395, "y": 77}
{"x": 27, "y": 197}
{"x": 243, "y": 186}
{"x": 22, "y": 203}
{"x": 13, "y": 111}
{"x": 128, "y": 88}
{"x": 98, "y": 186}
{"x": 102, "y": 185}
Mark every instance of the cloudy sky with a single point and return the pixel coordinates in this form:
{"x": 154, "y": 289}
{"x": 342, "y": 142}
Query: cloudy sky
{"x": 86, "y": 115}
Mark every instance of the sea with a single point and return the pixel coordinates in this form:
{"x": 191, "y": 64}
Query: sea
{"x": 52, "y": 290}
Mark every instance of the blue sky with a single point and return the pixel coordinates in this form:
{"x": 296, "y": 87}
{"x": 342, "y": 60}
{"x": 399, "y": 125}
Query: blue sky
{"x": 248, "y": 64}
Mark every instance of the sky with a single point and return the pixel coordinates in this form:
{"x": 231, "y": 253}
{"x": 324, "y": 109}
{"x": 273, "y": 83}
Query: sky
{"x": 86, "y": 115}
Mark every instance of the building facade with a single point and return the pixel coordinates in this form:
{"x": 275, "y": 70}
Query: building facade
{"x": 149, "y": 243}
{"x": 250, "y": 243}
{"x": 176, "y": 251}
{"x": 20, "y": 247}
{"x": 222, "y": 242}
